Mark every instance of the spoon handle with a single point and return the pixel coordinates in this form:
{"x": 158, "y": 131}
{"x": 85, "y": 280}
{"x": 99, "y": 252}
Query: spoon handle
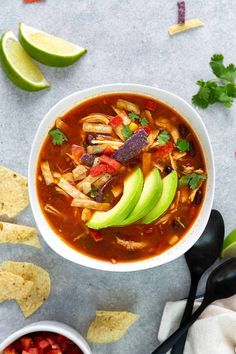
{"x": 178, "y": 348}
{"x": 169, "y": 342}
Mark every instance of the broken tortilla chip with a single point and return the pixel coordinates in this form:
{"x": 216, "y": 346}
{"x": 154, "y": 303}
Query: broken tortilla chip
{"x": 13, "y": 192}
{"x": 110, "y": 326}
{"x": 190, "y": 24}
{"x": 11, "y": 233}
{"x": 41, "y": 285}
{"x": 13, "y": 287}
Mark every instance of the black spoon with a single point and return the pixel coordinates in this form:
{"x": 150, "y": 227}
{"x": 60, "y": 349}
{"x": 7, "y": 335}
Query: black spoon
{"x": 199, "y": 258}
{"x": 221, "y": 284}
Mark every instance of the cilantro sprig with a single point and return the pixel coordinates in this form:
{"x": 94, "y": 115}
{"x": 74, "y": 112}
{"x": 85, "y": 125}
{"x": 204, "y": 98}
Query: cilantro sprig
{"x": 183, "y": 145}
{"x": 58, "y": 137}
{"x": 221, "y": 89}
{"x": 126, "y": 132}
{"x": 163, "y": 137}
{"x": 192, "y": 180}
{"x": 142, "y": 120}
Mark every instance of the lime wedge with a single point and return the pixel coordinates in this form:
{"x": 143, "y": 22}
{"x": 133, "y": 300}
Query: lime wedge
{"x": 19, "y": 66}
{"x": 229, "y": 246}
{"x": 48, "y": 49}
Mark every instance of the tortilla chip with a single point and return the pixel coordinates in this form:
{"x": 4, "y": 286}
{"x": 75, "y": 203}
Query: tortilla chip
{"x": 11, "y": 233}
{"x": 110, "y": 326}
{"x": 190, "y": 24}
{"x": 13, "y": 192}
{"x": 41, "y": 285}
{"x": 13, "y": 287}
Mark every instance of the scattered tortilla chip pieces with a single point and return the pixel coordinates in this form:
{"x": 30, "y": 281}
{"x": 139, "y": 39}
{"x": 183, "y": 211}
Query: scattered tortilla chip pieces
{"x": 190, "y": 24}
{"x": 41, "y": 285}
{"x": 13, "y": 192}
{"x": 11, "y": 233}
{"x": 110, "y": 326}
{"x": 13, "y": 287}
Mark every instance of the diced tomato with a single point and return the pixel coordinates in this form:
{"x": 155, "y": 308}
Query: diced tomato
{"x": 110, "y": 162}
{"x": 98, "y": 170}
{"x": 147, "y": 129}
{"x": 115, "y": 121}
{"x": 9, "y": 350}
{"x": 96, "y": 235}
{"x": 26, "y": 342}
{"x": 164, "y": 150}
{"x": 150, "y": 105}
{"x": 109, "y": 151}
{"x": 77, "y": 151}
{"x": 43, "y": 344}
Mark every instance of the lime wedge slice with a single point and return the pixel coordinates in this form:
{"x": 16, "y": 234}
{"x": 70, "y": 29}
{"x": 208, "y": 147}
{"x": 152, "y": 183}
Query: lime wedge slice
{"x": 48, "y": 49}
{"x": 229, "y": 246}
{"x": 19, "y": 66}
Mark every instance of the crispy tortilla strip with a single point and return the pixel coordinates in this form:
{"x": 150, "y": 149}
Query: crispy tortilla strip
{"x": 47, "y": 173}
{"x": 13, "y": 287}
{"x": 41, "y": 285}
{"x": 193, "y": 23}
{"x": 90, "y": 204}
{"x": 11, "y": 233}
{"x": 128, "y": 106}
{"x": 110, "y": 326}
{"x": 71, "y": 190}
{"x": 13, "y": 192}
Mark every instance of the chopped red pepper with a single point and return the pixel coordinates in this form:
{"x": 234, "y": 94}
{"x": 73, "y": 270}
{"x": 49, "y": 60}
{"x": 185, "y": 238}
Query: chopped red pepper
{"x": 115, "y": 121}
{"x": 110, "y": 162}
{"x": 98, "y": 170}
{"x": 109, "y": 151}
{"x": 96, "y": 235}
{"x": 164, "y": 150}
{"x": 150, "y": 105}
{"x": 77, "y": 151}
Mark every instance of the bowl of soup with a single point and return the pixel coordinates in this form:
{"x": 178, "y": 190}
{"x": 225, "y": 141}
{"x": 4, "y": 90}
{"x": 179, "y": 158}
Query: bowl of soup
{"x": 45, "y": 337}
{"x": 121, "y": 177}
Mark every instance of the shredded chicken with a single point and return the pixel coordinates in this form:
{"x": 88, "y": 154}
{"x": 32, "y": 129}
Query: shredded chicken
{"x": 121, "y": 112}
{"x": 159, "y": 166}
{"x": 96, "y": 118}
{"x": 128, "y": 106}
{"x": 194, "y": 192}
{"x": 166, "y": 124}
{"x": 164, "y": 219}
{"x": 173, "y": 163}
{"x": 71, "y": 190}
{"x": 177, "y": 155}
{"x": 97, "y": 128}
{"x": 60, "y": 124}
{"x": 50, "y": 209}
{"x": 131, "y": 245}
{"x": 184, "y": 193}
{"x": 147, "y": 114}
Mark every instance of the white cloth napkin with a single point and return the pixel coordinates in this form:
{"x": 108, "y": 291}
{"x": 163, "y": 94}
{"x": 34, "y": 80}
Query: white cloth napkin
{"x": 213, "y": 333}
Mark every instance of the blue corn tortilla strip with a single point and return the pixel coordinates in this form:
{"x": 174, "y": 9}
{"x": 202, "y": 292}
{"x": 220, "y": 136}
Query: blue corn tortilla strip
{"x": 181, "y": 12}
{"x": 88, "y": 159}
{"x": 132, "y": 147}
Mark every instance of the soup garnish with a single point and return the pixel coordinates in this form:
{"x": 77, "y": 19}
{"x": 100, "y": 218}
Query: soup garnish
{"x": 121, "y": 177}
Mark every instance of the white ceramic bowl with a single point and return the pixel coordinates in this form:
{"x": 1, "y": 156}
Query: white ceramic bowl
{"x": 191, "y": 116}
{"x": 48, "y": 326}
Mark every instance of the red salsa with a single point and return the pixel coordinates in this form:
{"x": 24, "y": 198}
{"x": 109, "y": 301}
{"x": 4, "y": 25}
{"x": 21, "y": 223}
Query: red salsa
{"x": 86, "y": 160}
{"x": 43, "y": 343}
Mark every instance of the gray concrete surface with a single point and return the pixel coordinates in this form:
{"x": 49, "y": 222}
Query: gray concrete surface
{"x": 127, "y": 41}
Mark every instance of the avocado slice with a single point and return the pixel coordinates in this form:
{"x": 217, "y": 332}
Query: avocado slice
{"x": 133, "y": 186}
{"x": 151, "y": 193}
{"x": 170, "y": 183}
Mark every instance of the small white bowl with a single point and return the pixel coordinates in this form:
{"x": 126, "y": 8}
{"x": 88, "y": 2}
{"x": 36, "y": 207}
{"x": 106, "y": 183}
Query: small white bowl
{"x": 48, "y": 326}
{"x": 190, "y": 115}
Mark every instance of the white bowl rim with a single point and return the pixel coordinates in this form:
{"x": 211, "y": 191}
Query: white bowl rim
{"x": 48, "y": 326}
{"x": 55, "y": 242}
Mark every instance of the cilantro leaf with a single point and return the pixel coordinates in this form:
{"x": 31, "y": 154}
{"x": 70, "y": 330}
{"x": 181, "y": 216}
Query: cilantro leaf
{"x": 142, "y": 120}
{"x": 183, "y": 145}
{"x": 93, "y": 193}
{"x": 163, "y": 137}
{"x": 126, "y": 132}
{"x": 58, "y": 137}
{"x": 217, "y": 65}
{"x": 222, "y": 89}
{"x": 192, "y": 180}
